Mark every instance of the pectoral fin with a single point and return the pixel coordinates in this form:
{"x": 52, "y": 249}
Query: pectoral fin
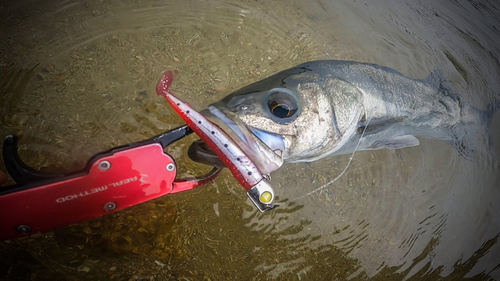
{"x": 396, "y": 142}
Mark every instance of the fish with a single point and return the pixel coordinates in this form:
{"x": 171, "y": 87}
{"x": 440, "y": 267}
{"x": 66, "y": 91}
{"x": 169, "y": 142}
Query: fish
{"x": 332, "y": 107}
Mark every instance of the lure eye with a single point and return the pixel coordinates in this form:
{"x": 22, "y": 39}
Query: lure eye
{"x": 282, "y": 105}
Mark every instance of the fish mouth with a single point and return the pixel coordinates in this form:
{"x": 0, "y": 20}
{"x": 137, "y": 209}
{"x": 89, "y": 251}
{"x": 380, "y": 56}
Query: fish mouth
{"x": 265, "y": 149}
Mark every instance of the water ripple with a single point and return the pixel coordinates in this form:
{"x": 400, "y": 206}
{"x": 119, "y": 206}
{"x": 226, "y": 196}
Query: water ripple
{"x": 416, "y": 212}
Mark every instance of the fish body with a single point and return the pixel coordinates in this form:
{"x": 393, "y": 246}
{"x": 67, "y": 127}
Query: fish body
{"x": 324, "y": 108}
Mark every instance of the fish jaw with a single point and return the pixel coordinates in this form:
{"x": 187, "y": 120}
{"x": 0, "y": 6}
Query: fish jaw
{"x": 240, "y": 165}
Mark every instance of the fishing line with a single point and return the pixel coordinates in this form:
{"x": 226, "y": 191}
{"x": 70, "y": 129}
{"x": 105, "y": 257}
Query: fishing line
{"x": 345, "y": 169}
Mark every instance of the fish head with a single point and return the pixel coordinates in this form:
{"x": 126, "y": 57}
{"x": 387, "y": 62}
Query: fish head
{"x": 297, "y": 115}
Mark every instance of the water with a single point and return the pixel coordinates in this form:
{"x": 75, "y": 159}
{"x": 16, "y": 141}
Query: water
{"x": 79, "y": 77}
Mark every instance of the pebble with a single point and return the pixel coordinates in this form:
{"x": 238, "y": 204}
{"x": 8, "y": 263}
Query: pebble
{"x": 83, "y": 268}
{"x": 160, "y": 263}
{"x": 49, "y": 68}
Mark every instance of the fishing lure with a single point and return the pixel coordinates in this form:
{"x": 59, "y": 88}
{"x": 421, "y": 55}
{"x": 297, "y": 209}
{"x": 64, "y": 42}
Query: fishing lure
{"x": 240, "y": 165}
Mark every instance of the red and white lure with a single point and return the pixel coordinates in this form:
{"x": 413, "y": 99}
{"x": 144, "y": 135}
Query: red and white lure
{"x": 240, "y": 165}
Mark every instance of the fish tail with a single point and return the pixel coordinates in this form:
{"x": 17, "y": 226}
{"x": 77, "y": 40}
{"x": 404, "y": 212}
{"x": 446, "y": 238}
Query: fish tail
{"x": 466, "y": 142}
{"x": 490, "y": 112}
{"x": 464, "y": 135}
{"x": 488, "y": 115}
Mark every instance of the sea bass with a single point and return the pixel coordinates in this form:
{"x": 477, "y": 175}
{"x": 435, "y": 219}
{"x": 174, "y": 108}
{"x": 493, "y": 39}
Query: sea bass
{"x": 324, "y": 108}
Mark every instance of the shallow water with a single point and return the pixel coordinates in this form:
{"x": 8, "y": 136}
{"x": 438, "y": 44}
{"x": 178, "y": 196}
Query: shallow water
{"x": 79, "y": 77}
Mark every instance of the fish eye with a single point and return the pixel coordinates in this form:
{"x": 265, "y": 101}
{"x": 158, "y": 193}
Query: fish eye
{"x": 282, "y": 104}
